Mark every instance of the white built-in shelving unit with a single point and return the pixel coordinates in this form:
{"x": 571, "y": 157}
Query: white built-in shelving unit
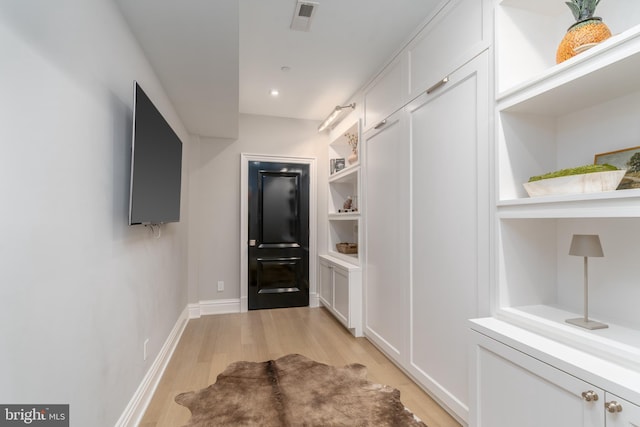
{"x": 344, "y": 226}
{"x": 553, "y": 116}
{"x": 341, "y": 273}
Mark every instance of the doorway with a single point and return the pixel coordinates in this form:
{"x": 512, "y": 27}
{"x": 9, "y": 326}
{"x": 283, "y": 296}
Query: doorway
{"x": 278, "y": 242}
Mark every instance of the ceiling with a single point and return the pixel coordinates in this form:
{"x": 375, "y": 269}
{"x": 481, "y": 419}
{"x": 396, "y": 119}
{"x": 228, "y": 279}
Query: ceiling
{"x": 219, "y": 58}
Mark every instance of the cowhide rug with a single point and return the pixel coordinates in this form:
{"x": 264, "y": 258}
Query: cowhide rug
{"x": 295, "y": 391}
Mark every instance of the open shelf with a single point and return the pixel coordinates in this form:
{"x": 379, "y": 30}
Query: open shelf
{"x": 621, "y": 204}
{"x": 617, "y": 343}
{"x": 540, "y": 284}
{"x": 533, "y": 143}
{"x": 340, "y": 148}
{"x": 342, "y": 231}
{"x": 601, "y": 74}
{"x": 344, "y": 216}
{"x": 567, "y": 113}
{"x": 348, "y": 174}
{"x": 529, "y": 32}
{"x": 343, "y": 185}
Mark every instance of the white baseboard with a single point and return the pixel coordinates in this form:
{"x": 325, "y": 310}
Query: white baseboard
{"x": 217, "y": 306}
{"x": 314, "y": 300}
{"x": 194, "y": 311}
{"x": 137, "y": 406}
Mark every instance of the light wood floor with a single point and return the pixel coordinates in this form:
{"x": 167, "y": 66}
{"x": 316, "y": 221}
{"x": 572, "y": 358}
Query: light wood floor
{"x": 211, "y": 343}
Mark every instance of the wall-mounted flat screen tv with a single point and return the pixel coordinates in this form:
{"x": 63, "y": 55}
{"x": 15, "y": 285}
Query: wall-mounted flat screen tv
{"x": 156, "y": 165}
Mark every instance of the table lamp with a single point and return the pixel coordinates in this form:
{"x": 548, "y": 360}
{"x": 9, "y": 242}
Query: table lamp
{"x": 586, "y": 245}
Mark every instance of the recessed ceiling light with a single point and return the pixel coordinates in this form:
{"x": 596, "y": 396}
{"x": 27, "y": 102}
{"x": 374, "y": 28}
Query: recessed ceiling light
{"x": 274, "y": 92}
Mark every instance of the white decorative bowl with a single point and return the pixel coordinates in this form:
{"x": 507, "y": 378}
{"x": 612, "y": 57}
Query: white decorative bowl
{"x": 595, "y": 182}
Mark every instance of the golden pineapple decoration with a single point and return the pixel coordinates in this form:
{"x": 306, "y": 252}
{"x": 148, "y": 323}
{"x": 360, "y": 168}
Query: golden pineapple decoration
{"x": 585, "y": 33}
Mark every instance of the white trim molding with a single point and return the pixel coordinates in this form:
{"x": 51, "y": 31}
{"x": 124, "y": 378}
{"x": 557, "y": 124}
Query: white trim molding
{"x": 314, "y": 299}
{"x": 216, "y": 306}
{"x": 133, "y": 413}
{"x": 245, "y": 158}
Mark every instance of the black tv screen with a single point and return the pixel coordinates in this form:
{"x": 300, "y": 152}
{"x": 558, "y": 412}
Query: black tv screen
{"x": 156, "y": 165}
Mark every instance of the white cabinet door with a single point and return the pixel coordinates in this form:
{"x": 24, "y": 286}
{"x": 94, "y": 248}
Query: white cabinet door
{"x": 458, "y": 33}
{"x": 621, "y": 413}
{"x": 386, "y": 94}
{"x": 326, "y": 283}
{"x": 341, "y": 295}
{"x": 341, "y": 291}
{"x": 386, "y": 235}
{"x": 450, "y": 228}
{"x": 513, "y": 389}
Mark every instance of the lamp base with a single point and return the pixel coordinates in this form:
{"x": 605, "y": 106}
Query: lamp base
{"x": 587, "y": 324}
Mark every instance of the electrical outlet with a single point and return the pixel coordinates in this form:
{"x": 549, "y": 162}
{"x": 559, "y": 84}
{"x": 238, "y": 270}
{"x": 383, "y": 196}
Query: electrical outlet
{"x": 220, "y": 286}
{"x": 144, "y": 349}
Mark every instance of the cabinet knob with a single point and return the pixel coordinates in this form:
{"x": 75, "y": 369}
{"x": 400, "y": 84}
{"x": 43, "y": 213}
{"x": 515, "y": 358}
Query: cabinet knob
{"x": 590, "y": 395}
{"x": 613, "y": 407}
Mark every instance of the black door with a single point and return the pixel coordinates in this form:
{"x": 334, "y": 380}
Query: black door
{"x": 278, "y": 235}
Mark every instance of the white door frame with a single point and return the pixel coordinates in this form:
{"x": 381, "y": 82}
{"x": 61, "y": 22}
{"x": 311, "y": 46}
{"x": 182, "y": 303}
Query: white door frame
{"x": 245, "y": 158}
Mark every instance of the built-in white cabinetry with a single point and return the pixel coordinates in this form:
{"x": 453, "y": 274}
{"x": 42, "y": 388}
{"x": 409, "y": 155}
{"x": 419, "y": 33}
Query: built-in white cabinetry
{"x": 344, "y": 185}
{"x": 427, "y": 199}
{"x": 552, "y": 116}
{"x": 386, "y": 236}
{"x": 344, "y": 226}
{"x": 341, "y": 292}
{"x": 520, "y": 378}
{"x": 620, "y": 412}
{"x": 450, "y": 233}
{"x": 516, "y": 389}
{"x": 386, "y": 94}
{"x": 458, "y": 31}
{"x": 340, "y": 271}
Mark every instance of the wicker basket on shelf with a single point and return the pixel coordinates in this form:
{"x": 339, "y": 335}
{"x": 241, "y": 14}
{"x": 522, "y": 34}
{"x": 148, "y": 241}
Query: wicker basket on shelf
{"x": 347, "y": 248}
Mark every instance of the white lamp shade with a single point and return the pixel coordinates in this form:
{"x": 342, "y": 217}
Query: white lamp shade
{"x": 586, "y": 245}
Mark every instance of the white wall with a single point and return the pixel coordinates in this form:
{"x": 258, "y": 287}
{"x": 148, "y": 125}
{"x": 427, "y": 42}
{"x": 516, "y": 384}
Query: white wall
{"x": 215, "y": 196}
{"x": 79, "y": 289}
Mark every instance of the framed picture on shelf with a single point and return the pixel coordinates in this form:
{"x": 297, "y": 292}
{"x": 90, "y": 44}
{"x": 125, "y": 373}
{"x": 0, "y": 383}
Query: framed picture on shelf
{"x": 336, "y": 165}
{"x": 629, "y": 159}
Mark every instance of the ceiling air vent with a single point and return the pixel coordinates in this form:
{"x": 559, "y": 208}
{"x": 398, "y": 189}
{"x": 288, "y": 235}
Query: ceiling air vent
{"x": 303, "y": 15}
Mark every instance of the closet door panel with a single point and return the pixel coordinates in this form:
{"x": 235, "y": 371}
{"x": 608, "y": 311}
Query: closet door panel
{"x": 449, "y": 150}
{"x": 386, "y": 236}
